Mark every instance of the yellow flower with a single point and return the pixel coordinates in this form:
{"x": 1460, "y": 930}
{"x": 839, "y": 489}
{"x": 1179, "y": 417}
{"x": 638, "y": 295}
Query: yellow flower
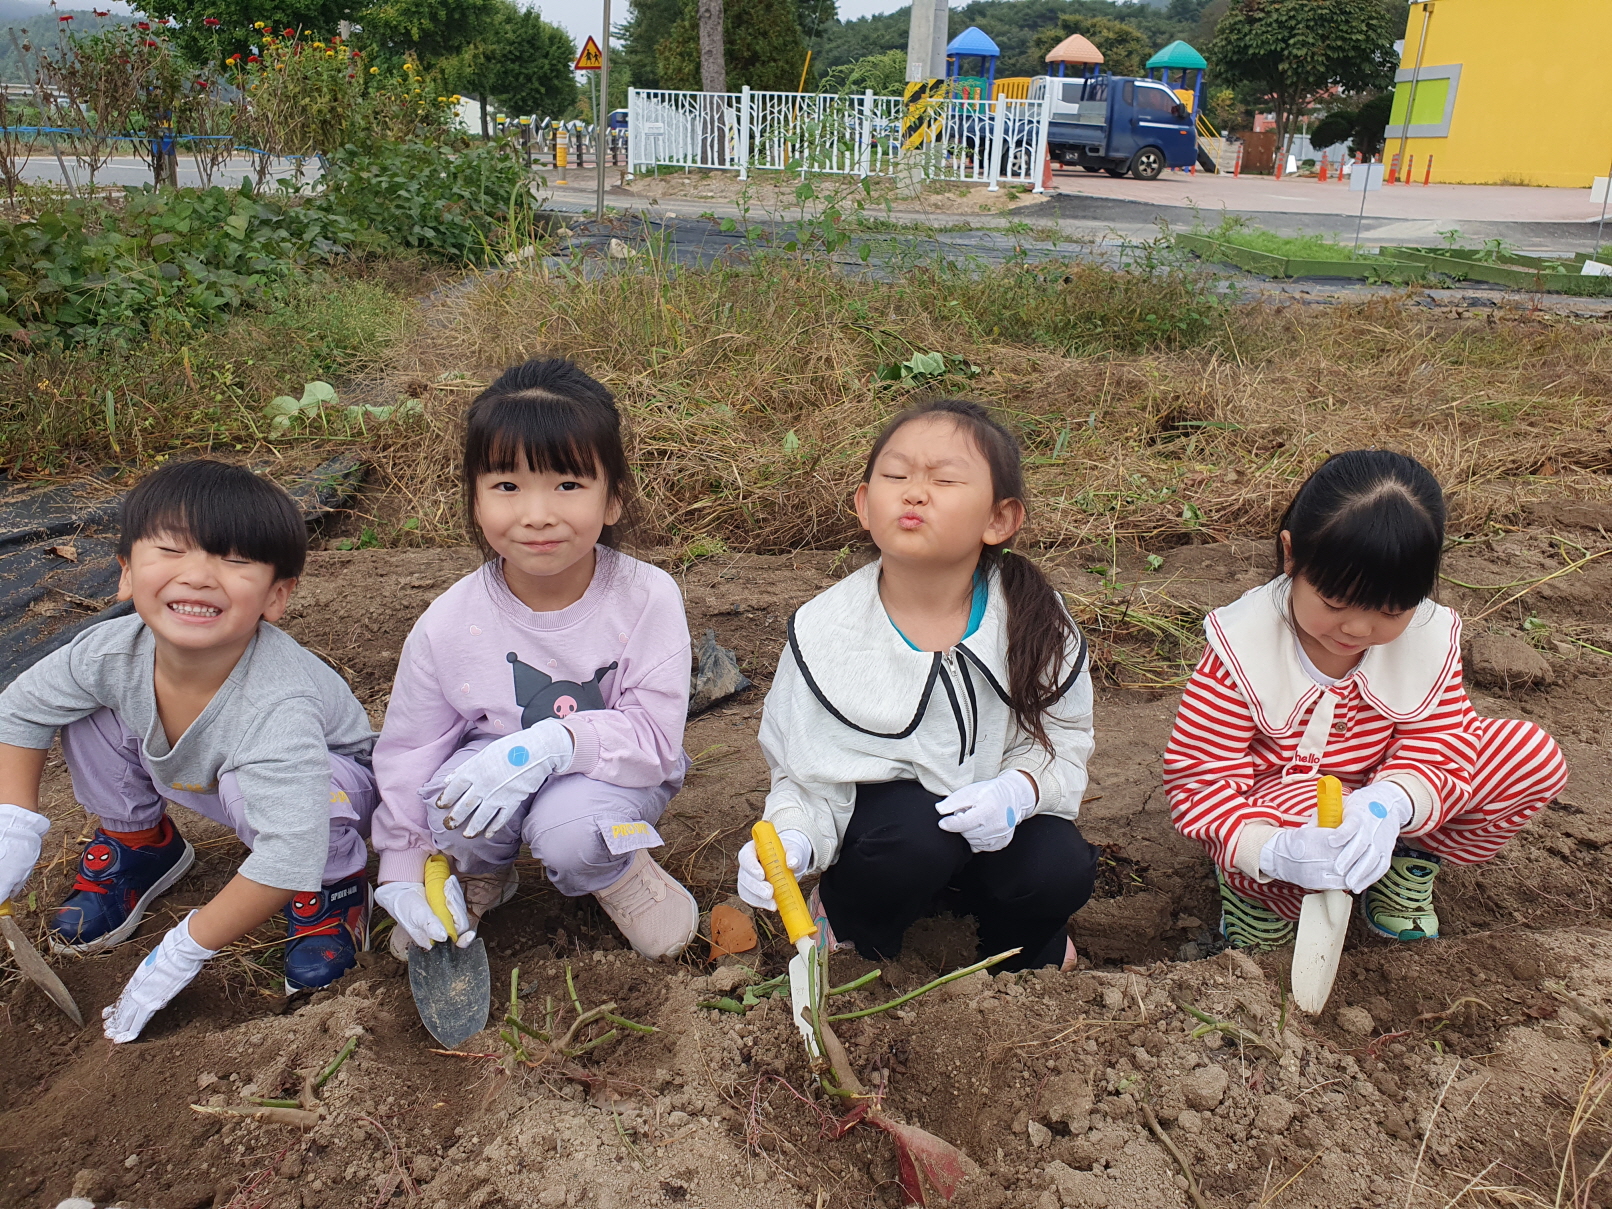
{"x": 373, "y": 70}
{"x": 279, "y": 67}
{"x": 441, "y": 100}
{"x": 457, "y": 98}
{"x": 330, "y": 54}
{"x": 257, "y": 25}
{"x": 318, "y": 45}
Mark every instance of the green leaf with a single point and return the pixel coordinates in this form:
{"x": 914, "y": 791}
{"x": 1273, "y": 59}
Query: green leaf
{"x": 791, "y": 442}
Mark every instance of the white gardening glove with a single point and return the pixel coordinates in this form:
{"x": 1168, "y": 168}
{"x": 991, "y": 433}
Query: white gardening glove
{"x": 165, "y": 972}
{"x": 1364, "y": 842}
{"x": 754, "y": 887}
{"x": 986, "y": 812}
{"x": 406, "y": 903}
{"x": 1304, "y": 856}
{"x": 20, "y": 833}
{"x": 490, "y": 786}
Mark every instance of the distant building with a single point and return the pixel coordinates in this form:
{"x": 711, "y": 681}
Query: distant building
{"x": 1506, "y": 92}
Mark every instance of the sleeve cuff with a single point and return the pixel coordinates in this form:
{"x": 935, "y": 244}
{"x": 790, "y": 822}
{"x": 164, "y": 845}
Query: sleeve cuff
{"x": 403, "y": 865}
{"x": 584, "y": 750}
{"x": 792, "y": 818}
{"x": 1422, "y": 798}
{"x": 1250, "y": 841}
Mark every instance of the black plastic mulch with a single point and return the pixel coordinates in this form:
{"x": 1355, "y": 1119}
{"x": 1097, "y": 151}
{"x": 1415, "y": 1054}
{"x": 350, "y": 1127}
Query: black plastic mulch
{"x": 58, "y": 557}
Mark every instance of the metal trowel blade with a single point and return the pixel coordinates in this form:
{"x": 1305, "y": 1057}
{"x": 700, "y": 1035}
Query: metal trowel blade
{"x": 452, "y": 989}
{"x": 800, "y": 994}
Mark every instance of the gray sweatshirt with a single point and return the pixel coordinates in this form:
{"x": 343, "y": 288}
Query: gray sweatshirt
{"x": 852, "y": 703}
{"x": 273, "y": 724}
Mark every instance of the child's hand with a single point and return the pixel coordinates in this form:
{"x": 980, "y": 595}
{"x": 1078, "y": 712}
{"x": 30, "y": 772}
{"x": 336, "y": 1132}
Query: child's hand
{"x": 406, "y": 903}
{"x": 20, "y": 833}
{"x": 754, "y": 887}
{"x": 1304, "y": 856}
{"x": 490, "y": 786}
{"x": 162, "y": 975}
{"x": 1372, "y": 818}
{"x": 986, "y": 812}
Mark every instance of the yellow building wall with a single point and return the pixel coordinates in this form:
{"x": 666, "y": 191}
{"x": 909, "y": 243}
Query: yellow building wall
{"x": 1531, "y": 104}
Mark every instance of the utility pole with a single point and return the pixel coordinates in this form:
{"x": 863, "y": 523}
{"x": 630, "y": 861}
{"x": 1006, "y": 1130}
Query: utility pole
{"x": 713, "y": 61}
{"x": 601, "y": 118}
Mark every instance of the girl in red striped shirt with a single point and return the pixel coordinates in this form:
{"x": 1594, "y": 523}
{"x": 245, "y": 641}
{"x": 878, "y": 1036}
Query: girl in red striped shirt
{"x": 1342, "y": 665}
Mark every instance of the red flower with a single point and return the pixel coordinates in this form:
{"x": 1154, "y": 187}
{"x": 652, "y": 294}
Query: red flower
{"x": 253, "y": 59}
{"x": 68, "y": 17}
{"x": 291, "y": 33}
{"x": 141, "y": 25}
{"x": 149, "y": 42}
{"x": 211, "y": 21}
{"x": 162, "y": 20}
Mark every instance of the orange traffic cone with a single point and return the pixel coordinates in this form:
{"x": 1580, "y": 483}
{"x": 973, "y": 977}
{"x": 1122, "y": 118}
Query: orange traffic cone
{"x": 1046, "y": 173}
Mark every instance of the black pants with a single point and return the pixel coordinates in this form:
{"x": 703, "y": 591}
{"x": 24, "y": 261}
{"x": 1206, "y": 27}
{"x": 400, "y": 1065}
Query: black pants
{"x": 897, "y": 866}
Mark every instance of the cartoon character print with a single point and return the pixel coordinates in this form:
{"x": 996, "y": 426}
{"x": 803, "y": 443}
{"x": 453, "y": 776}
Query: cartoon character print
{"x": 99, "y": 859}
{"x": 95, "y": 867}
{"x": 540, "y": 696}
{"x": 306, "y": 904}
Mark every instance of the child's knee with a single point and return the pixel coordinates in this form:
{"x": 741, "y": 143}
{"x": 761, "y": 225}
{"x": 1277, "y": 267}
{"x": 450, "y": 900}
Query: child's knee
{"x": 576, "y": 847}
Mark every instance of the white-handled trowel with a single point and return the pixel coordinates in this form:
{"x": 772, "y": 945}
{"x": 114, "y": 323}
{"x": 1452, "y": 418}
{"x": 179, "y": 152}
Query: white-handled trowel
{"x": 1323, "y": 918}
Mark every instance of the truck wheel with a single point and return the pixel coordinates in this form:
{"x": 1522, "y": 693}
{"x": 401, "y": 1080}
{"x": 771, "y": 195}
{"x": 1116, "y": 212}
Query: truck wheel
{"x": 1147, "y": 164}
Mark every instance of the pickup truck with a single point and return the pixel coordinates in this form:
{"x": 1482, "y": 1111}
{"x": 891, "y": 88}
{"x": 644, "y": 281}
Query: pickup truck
{"x": 1118, "y": 125}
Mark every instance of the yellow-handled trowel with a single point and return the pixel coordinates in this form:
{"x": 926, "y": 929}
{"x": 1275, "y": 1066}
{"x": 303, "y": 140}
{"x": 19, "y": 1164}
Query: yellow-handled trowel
{"x": 452, "y": 987}
{"x": 1323, "y": 918}
{"x": 798, "y": 924}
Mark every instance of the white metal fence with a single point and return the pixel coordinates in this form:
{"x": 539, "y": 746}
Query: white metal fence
{"x": 983, "y": 142}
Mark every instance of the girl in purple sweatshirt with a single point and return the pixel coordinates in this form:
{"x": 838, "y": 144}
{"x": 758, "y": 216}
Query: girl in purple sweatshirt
{"x": 542, "y": 698}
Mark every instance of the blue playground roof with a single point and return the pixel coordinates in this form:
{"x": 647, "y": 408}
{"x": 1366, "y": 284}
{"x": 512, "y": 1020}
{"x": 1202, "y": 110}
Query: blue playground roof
{"x": 1178, "y": 55}
{"x": 974, "y": 41}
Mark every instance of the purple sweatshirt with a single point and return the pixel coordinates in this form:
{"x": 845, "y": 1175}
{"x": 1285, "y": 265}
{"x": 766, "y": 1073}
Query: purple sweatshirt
{"x": 614, "y": 666}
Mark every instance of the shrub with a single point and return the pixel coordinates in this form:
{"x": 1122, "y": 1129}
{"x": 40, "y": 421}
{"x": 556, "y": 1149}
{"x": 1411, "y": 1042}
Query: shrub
{"x": 419, "y": 196}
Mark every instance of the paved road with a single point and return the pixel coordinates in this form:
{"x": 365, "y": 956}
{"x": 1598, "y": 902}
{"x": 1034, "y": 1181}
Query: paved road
{"x": 131, "y": 170}
{"x": 1112, "y": 218}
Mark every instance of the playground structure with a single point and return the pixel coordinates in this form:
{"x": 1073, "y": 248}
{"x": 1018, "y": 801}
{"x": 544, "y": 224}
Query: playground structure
{"x": 972, "y": 43}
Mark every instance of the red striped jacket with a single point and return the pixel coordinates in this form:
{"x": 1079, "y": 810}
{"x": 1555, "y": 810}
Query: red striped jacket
{"x": 1254, "y": 731}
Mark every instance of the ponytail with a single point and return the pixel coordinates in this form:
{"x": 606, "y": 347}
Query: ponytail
{"x": 1039, "y": 628}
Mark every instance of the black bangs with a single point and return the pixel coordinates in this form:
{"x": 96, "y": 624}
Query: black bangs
{"x": 1367, "y": 530}
{"x": 547, "y": 415}
{"x": 514, "y": 432}
{"x": 226, "y": 510}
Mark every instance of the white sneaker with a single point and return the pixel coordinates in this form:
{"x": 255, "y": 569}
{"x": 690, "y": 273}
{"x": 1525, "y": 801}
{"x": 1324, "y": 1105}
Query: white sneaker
{"x": 654, "y": 911}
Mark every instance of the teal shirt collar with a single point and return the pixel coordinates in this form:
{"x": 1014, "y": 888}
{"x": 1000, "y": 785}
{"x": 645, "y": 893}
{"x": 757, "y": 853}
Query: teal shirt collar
{"x": 976, "y": 610}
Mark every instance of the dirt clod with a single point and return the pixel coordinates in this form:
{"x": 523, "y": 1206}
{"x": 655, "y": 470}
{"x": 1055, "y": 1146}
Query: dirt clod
{"x": 1205, "y": 1087}
{"x": 1504, "y": 662}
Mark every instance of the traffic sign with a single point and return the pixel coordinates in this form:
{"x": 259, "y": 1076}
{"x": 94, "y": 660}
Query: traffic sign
{"x": 591, "y": 58}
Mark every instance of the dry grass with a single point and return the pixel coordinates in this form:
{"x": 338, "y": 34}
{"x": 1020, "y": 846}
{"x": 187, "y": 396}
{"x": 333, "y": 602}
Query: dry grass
{"x": 1151, "y": 414}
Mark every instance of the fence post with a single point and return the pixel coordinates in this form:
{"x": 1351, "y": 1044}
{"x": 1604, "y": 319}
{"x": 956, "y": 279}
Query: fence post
{"x": 744, "y": 133}
{"x": 994, "y": 168}
{"x": 1041, "y": 139}
{"x": 864, "y": 136}
{"x": 634, "y": 125}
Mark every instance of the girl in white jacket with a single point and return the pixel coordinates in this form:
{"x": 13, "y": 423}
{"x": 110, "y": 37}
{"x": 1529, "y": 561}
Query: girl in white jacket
{"x": 930, "y": 722}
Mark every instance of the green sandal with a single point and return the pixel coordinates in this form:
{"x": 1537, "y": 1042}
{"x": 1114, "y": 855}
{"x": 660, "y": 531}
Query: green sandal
{"x": 1400, "y": 904}
{"x": 1249, "y": 925}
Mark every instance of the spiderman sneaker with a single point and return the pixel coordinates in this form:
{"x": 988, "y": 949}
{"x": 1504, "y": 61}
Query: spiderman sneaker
{"x": 1400, "y": 904}
{"x": 115, "y": 885}
{"x": 327, "y": 930}
{"x": 1249, "y": 925}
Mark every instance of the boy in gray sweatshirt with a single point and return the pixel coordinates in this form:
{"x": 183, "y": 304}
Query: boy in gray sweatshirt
{"x": 198, "y": 699}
